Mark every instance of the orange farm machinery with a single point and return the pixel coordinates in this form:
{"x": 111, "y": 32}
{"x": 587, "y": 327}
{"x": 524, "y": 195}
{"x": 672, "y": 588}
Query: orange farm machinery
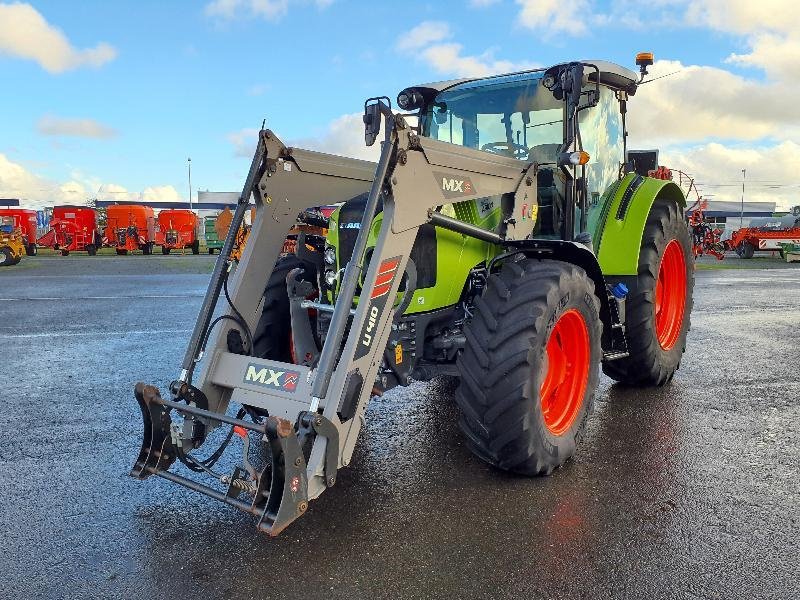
{"x": 130, "y": 227}
{"x": 24, "y": 220}
{"x": 177, "y": 229}
{"x": 72, "y": 229}
{"x": 769, "y": 238}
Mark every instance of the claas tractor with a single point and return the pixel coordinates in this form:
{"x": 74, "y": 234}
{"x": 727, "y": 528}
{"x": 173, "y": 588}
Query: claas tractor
{"x": 12, "y": 246}
{"x": 501, "y": 238}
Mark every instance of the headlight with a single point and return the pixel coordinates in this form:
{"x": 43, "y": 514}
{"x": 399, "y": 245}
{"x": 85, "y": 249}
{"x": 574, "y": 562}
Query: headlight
{"x": 330, "y": 255}
{"x": 330, "y": 278}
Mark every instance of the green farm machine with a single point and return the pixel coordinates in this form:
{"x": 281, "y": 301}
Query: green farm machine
{"x": 501, "y": 238}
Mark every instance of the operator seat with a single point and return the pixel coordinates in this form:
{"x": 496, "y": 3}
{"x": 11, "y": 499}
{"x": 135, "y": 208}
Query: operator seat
{"x": 550, "y": 189}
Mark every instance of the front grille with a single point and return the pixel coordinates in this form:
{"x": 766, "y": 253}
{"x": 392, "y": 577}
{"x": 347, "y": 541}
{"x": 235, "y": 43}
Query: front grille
{"x": 350, "y": 216}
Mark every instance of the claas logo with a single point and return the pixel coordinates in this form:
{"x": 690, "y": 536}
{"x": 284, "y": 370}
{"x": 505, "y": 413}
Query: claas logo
{"x": 264, "y": 376}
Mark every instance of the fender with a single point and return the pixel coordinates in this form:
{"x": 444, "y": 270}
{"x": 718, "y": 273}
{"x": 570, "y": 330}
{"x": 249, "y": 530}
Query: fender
{"x": 623, "y": 214}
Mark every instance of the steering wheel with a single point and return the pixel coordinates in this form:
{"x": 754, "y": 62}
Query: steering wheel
{"x": 506, "y": 148}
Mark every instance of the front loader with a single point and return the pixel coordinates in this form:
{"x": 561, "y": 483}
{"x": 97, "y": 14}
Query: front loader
{"x": 501, "y": 239}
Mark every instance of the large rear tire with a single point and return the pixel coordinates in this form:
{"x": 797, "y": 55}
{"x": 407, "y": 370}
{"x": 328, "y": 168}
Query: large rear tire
{"x": 530, "y": 366}
{"x": 165, "y": 250}
{"x": 91, "y": 249}
{"x": 659, "y": 301}
{"x": 31, "y": 250}
{"x": 196, "y": 247}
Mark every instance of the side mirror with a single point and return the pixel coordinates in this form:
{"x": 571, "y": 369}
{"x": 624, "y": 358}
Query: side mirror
{"x": 372, "y": 122}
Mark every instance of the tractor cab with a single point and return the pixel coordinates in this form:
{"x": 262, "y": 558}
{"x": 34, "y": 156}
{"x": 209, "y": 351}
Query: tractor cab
{"x": 569, "y": 119}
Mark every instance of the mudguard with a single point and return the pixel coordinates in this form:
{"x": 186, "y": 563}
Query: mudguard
{"x": 620, "y": 216}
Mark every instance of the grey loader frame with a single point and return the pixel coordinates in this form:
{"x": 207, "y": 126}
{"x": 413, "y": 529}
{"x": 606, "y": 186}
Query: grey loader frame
{"x": 413, "y": 177}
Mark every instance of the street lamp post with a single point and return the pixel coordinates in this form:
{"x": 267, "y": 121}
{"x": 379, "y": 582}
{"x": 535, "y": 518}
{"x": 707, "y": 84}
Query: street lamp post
{"x": 741, "y": 212}
{"x": 189, "y": 162}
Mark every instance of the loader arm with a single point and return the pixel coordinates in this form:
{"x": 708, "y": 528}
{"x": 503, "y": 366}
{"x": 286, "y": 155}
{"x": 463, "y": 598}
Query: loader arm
{"x": 414, "y": 177}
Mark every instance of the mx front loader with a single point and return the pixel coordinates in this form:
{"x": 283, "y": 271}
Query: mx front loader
{"x": 501, "y": 239}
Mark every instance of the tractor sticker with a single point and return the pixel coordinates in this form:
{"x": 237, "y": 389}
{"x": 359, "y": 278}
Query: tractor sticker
{"x": 377, "y": 301}
{"x": 271, "y": 378}
{"x": 454, "y": 187}
{"x": 485, "y": 207}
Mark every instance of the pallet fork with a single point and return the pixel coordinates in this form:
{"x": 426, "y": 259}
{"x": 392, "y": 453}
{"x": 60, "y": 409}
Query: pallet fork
{"x": 325, "y": 402}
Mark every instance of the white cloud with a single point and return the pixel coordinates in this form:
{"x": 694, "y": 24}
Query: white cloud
{"x": 67, "y": 127}
{"x": 244, "y": 141}
{"x": 702, "y": 103}
{"x": 35, "y": 191}
{"x": 745, "y": 16}
{"x": 270, "y": 10}
{"x": 161, "y": 193}
{"x": 718, "y": 171}
{"x": 448, "y": 59}
{"x": 425, "y": 42}
{"x": 24, "y": 33}
{"x": 554, "y": 16}
{"x": 343, "y": 136}
{"x": 423, "y": 34}
{"x": 18, "y": 182}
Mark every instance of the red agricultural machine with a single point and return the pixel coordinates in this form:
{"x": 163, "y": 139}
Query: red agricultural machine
{"x": 72, "y": 229}
{"x": 177, "y": 229}
{"x": 130, "y": 227}
{"x": 25, "y": 220}
{"x": 766, "y": 238}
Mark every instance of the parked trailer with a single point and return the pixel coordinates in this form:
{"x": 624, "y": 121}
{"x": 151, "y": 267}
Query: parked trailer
{"x": 748, "y": 240}
{"x": 25, "y": 220}
{"x": 72, "y": 229}
{"x": 177, "y": 229}
{"x": 130, "y": 227}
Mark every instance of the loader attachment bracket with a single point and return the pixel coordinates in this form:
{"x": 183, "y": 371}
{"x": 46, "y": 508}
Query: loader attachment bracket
{"x": 280, "y": 492}
{"x": 158, "y": 452}
{"x": 325, "y": 428}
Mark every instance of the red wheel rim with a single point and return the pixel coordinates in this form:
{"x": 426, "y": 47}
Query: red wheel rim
{"x": 564, "y": 383}
{"x": 670, "y": 295}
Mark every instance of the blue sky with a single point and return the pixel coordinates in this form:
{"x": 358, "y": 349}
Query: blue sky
{"x": 112, "y": 97}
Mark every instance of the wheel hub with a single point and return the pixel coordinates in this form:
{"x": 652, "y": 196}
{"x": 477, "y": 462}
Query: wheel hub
{"x": 567, "y": 373}
{"x": 670, "y": 298}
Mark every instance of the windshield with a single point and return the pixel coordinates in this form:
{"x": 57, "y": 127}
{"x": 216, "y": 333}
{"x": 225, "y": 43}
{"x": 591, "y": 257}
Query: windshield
{"x": 513, "y": 115}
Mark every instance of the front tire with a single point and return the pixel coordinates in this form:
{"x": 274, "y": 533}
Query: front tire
{"x": 196, "y": 247}
{"x": 659, "y": 301}
{"x": 272, "y": 338}
{"x": 122, "y": 252}
{"x": 164, "y": 250}
{"x": 31, "y": 250}
{"x": 6, "y": 258}
{"x": 530, "y": 366}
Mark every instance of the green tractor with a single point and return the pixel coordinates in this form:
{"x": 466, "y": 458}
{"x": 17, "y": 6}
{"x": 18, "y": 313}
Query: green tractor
{"x": 503, "y": 239}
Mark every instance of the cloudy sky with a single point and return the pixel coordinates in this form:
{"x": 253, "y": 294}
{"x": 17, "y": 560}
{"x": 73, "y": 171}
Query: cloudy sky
{"x": 109, "y": 99}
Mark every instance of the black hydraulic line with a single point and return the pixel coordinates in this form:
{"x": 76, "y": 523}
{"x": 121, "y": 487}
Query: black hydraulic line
{"x": 242, "y": 321}
{"x": 352, "y": 272}
{"x": 216, "y": 283}
{"x": 469, "y": 229}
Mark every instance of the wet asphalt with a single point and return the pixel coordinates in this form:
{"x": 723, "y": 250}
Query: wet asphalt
{"x": 687, "y": 491}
